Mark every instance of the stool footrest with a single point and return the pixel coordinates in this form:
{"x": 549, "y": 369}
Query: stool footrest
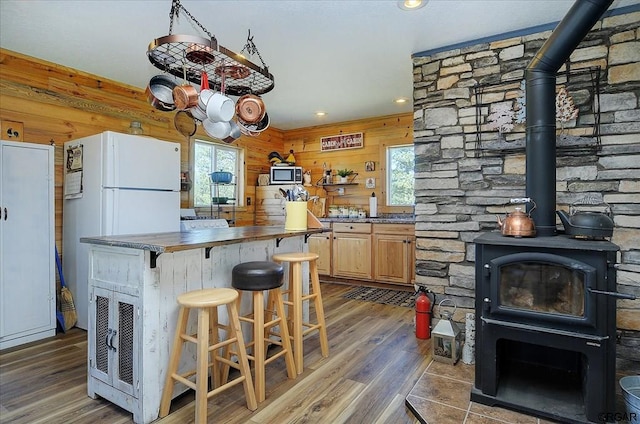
{"x": 275, "y": 356}
{"x": 225, "y": 386}
{"x": 229, "y": 362}
{"x": 303, "y": 298}
{"x": 184, "y": 380}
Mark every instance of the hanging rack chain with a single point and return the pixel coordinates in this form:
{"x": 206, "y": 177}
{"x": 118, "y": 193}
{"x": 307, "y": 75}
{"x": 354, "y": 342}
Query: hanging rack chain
{"x": 251, "y": 49}
{"x": 174, "y": 5}
{"x": 175, "y": 10}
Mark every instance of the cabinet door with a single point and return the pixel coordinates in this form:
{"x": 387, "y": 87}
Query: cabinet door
{"x": 27, "y": 282}
{"x": 125, "y": 343}
{"x": 351, "y": 256}
{"x": 391, "y": 253}
{"x": 321, "y": 244}
{"x": 115, "y": 342}
{"x": 100, "y": 322}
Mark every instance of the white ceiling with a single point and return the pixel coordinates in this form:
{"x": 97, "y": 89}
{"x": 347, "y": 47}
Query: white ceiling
{"x": 349, "y": 58}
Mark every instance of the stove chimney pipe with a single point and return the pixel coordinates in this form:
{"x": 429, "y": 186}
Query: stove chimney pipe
{"x": 541, "y": 110}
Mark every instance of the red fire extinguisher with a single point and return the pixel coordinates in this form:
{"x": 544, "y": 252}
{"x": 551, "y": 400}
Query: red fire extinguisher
{"x": 423, "y": 314}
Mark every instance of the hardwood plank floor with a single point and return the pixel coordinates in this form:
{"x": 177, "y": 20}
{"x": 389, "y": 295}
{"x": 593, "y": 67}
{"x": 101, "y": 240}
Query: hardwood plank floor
{"x": 374, "y": 361}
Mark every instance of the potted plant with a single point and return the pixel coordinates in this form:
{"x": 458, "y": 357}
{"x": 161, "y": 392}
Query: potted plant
{"x": 344, "y": 173}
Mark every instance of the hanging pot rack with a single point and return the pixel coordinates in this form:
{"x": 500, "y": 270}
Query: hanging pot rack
{"x": 187, "y": 56}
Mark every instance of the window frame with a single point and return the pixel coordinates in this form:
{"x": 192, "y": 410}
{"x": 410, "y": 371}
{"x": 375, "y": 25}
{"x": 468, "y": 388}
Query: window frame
{"x": 385, "y": 153}
{"x": 239, "y": 175}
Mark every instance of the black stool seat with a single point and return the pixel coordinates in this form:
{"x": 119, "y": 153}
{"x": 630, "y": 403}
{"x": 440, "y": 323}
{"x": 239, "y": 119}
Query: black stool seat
{"x": 257, "y": 276}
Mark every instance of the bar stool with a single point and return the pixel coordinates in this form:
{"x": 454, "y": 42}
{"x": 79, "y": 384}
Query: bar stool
{"x": 206, "y": 302}
{"x": 257, "y": 277}
{"x": 295, "y": 299}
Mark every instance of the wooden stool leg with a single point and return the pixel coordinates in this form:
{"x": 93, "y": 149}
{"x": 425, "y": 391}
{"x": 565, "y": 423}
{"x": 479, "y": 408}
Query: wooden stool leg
{"x": 214, "y": 340}
{"x": 269, "y": 313}
{"x": 236, "y": 331}
{"x": 174, "y": 360}
{"x": 295, "y": 283}
{"x": 226, "y": 353}
{"x": 315, "y": 285}
{"x": 202, "y": 356}
{"x": 259, "y": 344}
{"x": 284, "y": 333}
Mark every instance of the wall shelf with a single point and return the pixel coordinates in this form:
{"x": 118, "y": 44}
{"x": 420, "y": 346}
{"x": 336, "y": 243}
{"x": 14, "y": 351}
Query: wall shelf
{"x": 351, "y": 178}
{"x": 336, "y": 184}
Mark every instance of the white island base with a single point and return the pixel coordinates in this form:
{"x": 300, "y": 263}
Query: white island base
{"x": 133, "y": 311}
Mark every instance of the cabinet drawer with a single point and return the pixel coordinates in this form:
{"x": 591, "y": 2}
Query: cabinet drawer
{"x": 351, "y": 227}
{"x": 404, "y": 229}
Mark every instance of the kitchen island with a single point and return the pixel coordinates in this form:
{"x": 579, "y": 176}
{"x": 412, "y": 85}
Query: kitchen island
{"x": 133, "y": 284}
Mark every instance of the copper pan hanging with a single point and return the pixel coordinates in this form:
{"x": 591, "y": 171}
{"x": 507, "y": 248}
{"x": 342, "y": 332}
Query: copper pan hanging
{"x": 233, "y": 71}
{"x": 199, "y": 53}
{"x": 250, "y": 109}
{"x": 185, "y": 96}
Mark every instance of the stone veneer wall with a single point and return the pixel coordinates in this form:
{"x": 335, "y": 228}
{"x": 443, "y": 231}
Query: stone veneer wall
{"x": 459, "y": 193}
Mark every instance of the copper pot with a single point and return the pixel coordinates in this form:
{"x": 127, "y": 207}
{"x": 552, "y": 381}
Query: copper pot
{"x": 518, "y": 223}
{"x": 250, "y": 109}
{"x": 185, "y": 96}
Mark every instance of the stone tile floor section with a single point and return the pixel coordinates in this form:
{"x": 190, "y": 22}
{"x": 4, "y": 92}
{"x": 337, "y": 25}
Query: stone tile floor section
{"x": 441, "y": 396}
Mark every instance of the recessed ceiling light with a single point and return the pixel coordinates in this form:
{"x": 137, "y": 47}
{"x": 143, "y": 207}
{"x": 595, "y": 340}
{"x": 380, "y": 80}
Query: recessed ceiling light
{"x": 400, "y": 100}
{"x": 412, "y": 4}
{"x": 321, "y": 113}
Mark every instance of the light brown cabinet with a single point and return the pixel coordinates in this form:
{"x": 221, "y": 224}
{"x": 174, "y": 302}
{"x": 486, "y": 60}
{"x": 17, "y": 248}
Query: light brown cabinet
{"x": 351, "y": 250}
{"x": 321, "y": 244}
{"x": 393, "y": 252}
{"x": 378, "y": 252}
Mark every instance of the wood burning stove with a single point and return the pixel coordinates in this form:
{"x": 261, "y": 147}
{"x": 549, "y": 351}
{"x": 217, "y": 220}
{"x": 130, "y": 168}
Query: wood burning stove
{"x": 546, "y": 321}
{"x": 546, "y": 306}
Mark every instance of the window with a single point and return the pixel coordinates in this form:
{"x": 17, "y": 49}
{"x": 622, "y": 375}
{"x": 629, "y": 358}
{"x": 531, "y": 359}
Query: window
{"x": 400, "y": 160}
{"x": 210, "y": 157}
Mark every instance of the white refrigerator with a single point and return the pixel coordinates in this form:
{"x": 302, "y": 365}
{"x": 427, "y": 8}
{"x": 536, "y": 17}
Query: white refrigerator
{"x": 115, "y": 184}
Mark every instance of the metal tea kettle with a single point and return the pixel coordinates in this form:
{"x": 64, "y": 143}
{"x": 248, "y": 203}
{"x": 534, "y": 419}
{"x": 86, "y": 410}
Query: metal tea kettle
{"x": 587, "y": 224}
{"x": 518, "y": 223}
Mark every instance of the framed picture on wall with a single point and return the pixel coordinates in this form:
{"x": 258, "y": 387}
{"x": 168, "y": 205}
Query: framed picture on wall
{"x": 369, "y": 166}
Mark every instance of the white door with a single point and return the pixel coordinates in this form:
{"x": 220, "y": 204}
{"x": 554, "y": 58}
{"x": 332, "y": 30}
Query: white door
{"x": 26, "y": 241}
{"x": 141, "y": 162}
{"x": 140, "y": 211}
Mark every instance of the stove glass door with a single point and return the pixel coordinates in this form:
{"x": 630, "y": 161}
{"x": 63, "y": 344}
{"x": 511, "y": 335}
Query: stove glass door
{"x": 542, "y": 286}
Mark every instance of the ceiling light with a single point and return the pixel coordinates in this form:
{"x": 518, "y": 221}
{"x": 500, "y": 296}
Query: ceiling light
{"x": 400, "y": 100}
{"x": 321, "y": 113}
{"x": 412, "y": 4}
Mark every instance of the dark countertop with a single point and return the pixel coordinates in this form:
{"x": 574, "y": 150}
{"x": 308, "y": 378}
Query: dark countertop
{"x": 196, "y": 239}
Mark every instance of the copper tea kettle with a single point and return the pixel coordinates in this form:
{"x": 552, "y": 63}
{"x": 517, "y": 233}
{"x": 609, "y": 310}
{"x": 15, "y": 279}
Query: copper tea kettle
{"x": 518, "y": 223}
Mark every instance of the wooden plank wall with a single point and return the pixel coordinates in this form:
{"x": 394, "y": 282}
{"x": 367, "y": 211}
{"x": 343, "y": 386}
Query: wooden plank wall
{"x": 56, "y": 104}
{"x": 378, "y": 133}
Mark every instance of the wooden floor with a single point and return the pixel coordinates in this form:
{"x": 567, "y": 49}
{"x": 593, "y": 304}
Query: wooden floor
{"x": 374, "y": 362}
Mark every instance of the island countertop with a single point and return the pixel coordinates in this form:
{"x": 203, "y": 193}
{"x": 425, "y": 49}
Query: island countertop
{"x": 196, "y": 239}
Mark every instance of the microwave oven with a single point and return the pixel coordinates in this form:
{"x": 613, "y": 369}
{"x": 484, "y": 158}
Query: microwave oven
{"x": 286, "y": 175}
